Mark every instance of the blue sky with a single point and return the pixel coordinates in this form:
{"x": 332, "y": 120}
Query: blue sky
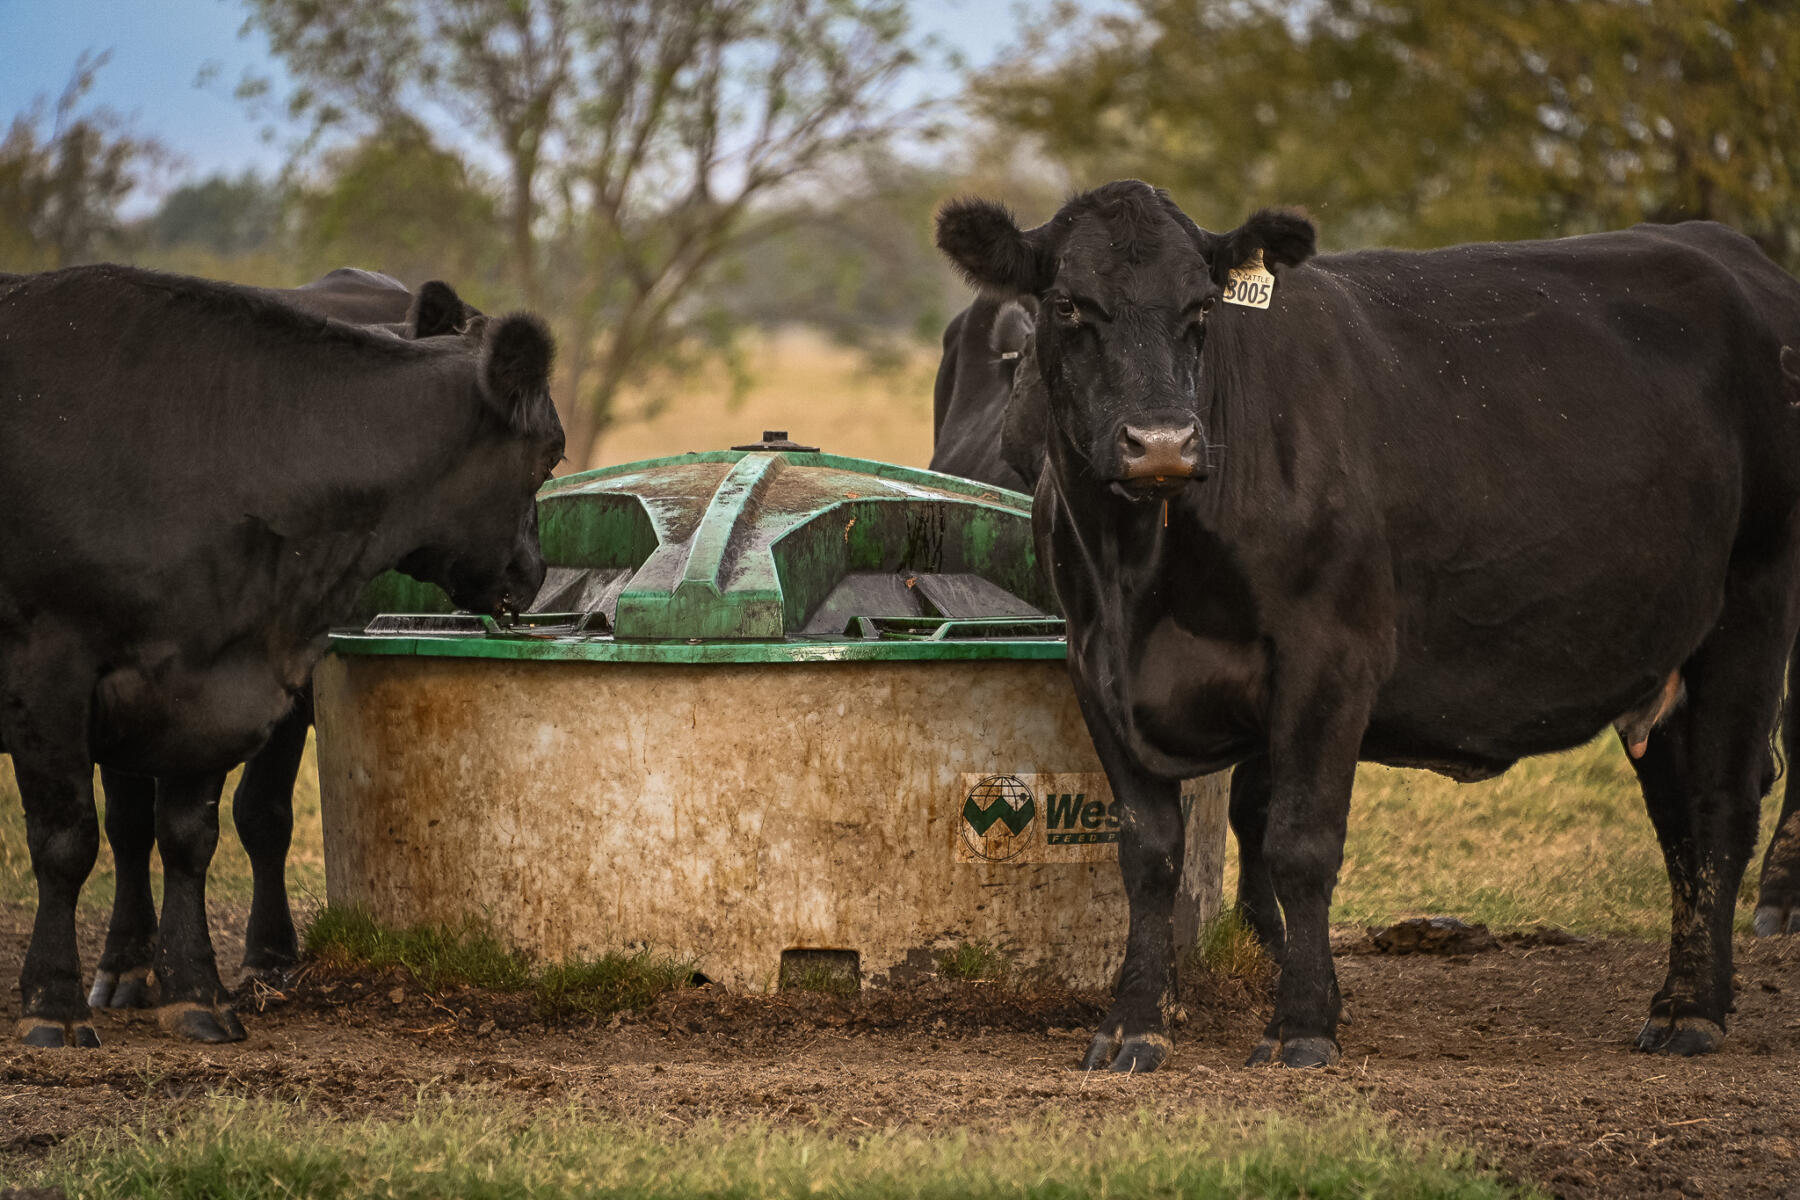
{"x": 160, "y": 47}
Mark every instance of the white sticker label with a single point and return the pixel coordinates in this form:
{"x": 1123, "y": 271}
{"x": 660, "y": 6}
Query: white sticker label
{"x": 1251, "y": 285}
{"x": 1049, "y": 817}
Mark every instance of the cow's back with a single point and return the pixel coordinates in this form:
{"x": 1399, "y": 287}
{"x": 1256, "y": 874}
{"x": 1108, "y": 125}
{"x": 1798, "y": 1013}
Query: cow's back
{"x": 1552, "y": 447}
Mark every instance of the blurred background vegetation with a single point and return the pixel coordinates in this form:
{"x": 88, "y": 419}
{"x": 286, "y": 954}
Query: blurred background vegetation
{"x": 723, "y": 206}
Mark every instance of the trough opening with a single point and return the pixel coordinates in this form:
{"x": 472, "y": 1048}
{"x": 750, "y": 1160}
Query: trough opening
{"x": 834, "y": 972}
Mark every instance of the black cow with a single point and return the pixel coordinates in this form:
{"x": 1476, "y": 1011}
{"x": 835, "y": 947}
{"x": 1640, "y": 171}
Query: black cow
{"x": 199, "y": 479}
{"x": 1443, "y": 509}
{"x": 987, "y": 357}
{"x": 262, "y": 808}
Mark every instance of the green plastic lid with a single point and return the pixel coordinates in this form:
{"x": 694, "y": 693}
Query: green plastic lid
{"x": 766, "y": 553}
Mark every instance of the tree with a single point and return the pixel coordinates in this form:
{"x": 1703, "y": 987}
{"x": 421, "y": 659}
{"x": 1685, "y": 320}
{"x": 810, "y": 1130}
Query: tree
{"x": 224, "y": 216}
{"x": 398, "y": 202}
{"x": 1423, "y": 122}
{"x": 61, "y": 186}
{"x": 639, "y": 140}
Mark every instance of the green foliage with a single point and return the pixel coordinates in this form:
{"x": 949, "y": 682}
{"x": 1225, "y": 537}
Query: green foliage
{"x": 974, "y": 962}
{"x": 64, "y": 172}
{"x": 397, "y": 202}
{"x": 1427, "y": 122}
{"x": 228, "y": 217}
{"x": 469, "y": 954}
{"x": 255, "y": 1149}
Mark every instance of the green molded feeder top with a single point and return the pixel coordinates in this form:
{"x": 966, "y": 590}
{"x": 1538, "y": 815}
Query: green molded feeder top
{"x": 768, "y": 553}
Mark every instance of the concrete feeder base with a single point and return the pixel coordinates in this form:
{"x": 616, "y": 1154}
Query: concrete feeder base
{"x": 733, "y": 813}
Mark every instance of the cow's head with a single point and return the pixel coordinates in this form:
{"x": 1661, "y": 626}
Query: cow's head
{"x": 1125, "y": 284}
{"x": 479, "y": 518}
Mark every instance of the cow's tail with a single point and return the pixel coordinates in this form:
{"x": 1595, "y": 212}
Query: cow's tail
{"x": 1790, "y": 374}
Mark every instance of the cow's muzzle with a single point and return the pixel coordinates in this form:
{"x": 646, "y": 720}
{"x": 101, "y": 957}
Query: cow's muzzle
{"x": 1159, "y": 460}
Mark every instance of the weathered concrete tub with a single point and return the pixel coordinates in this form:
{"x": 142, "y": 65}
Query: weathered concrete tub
{"x": 808, "y": 704}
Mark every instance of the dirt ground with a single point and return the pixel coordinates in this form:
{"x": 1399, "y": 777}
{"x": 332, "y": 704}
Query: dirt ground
{"x": 1521, "y": 1052}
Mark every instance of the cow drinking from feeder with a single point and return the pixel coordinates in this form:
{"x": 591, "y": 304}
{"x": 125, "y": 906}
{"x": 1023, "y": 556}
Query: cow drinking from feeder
{"x": 1439, "y": 509}
{"x": 200, "y": 479}
{"x": 262, "y": 807}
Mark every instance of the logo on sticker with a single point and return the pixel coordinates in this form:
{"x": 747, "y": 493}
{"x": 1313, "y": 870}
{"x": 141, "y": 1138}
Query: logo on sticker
{"x": 997, "y": 818}
{"x": 1072, "y": 819}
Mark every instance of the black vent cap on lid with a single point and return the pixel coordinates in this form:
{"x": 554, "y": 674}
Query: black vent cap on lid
{"x": 777, "y": 439}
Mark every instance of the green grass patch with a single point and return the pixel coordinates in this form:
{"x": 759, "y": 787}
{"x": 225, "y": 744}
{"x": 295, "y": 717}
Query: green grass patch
{"x": 974, "y": 962}
{"x": 470, "y": 955}
{"x": 1561, "y": 840}
{"x": 249, "y": 1150}
{"x": 1227, "y": 947}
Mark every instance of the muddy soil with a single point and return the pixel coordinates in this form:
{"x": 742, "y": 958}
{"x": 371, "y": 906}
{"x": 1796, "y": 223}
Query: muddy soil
{"x": 1521, "y": 1051}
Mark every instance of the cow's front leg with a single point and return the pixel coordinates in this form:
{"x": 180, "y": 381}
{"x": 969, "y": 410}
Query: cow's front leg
{"x": 194, "y": 1003}
{"x": 1316, "y": 732}
{"x": 122, "y": 980}
{"x": 1134, "y": 1036}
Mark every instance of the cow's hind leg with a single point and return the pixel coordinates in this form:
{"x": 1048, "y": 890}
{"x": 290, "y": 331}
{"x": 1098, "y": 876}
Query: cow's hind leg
{"x": 1134, "y": 1035}
{"x": 44, "y": 725}
{"x": 263, "y": 811}
{"x": 1778, "y": 893}
{"x": 122, "y": 979}
{"x": 194, "y": 1003}
{"x": 1256, "y": 902}
{"x": 1703, "y": 777}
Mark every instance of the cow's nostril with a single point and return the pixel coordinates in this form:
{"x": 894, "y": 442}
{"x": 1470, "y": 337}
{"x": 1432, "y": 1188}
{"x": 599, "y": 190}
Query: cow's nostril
{"x": 1160, "y": 450}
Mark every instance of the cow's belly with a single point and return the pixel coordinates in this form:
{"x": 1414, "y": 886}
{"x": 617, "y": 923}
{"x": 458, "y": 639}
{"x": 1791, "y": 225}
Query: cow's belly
{"x": 171, "y": 717}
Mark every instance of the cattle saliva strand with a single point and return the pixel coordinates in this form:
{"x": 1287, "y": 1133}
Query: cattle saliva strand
{"x": 141, "y": 629}
{"x": 1470, "y": 514}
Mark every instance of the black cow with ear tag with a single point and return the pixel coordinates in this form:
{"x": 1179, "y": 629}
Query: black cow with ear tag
{"x": 1441, "y": 509}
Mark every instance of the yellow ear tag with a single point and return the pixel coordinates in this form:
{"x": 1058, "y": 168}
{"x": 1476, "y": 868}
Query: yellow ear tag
{"x": 1251, "y": 284}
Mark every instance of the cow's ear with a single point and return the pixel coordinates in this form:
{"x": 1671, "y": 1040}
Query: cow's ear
{"x": 986, "y": 245}
{"x": 1285, "y": 236}
{"x": 435, "y": 311}
{"x": 516, "y": 353}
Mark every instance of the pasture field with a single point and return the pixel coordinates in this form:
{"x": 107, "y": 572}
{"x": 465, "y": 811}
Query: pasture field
{"x": 384, "y": 1072}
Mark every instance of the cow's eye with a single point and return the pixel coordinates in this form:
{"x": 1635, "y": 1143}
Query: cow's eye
{"x": 1066, "y": 310}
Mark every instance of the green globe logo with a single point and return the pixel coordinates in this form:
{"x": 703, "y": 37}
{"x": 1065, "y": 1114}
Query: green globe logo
{"x": 997, "y": 817}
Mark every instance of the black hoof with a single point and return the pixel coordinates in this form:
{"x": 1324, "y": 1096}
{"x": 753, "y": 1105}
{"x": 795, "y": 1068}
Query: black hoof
{"x": 126, "y": 989}
{"x": 1683, "y": 1036}
{"x": 1772, "y": 920}
{"x": 1141, "y": 1054}
{"x": 52, "y": 1035}
{"x": 194, "y": 1023}
{"x": 1309, "y": 1052}
{"x": 1101, "y": 1050}
{"x": 1112, "y": 1050}
{"x": 1295, "y": 1052}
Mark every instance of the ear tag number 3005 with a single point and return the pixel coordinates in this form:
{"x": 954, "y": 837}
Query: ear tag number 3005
{"x": 1251, "y": 285}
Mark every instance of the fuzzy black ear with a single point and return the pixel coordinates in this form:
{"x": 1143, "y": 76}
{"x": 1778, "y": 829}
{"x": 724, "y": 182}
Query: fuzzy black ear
{"x": 985, "y": 243}
{"x": 516, "y": 353}
{"x": 1284, "y": 235}
{"x": 435, "y": 311}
